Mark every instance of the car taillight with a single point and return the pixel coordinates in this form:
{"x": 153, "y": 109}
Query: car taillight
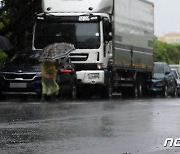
{"x": 65, "y": 71}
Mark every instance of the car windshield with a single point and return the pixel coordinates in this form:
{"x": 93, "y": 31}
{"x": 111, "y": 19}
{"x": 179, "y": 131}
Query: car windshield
{"x": 26, "y": 57}
{"x": 158, "y": 68}
{"x": 82, "y": 35}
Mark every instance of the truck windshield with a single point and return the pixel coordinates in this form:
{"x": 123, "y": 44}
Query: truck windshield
{"x": 82, "y": 35}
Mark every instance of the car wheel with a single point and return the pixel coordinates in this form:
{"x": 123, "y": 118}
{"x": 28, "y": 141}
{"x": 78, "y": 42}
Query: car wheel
{"x": 2, "y": 97}
{"x": 175, "y": 92}
{"x": 165, "y": 93}
{"x": 74, "y": 91}
{"x": 39, "y": 96}
{"x": 24, "y": 98}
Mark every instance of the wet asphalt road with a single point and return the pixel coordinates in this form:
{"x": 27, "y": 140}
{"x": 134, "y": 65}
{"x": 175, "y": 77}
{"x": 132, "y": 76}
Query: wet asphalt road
{"x": 96, "y": 126}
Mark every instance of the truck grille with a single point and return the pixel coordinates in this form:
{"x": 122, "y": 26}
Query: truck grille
{"x": 80, "y": 67}
{"x": 78, "y": 56}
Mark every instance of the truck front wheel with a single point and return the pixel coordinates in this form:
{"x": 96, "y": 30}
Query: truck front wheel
{"x": 106, "y": 91}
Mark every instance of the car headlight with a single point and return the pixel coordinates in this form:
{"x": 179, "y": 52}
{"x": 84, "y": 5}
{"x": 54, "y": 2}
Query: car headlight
{"x": 38, "y": 74}
{"x": 160, "y": 84}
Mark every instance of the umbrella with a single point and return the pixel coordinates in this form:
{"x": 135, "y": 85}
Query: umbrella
{"x": 56, "y": 51}
{"x": 5, "y": 44}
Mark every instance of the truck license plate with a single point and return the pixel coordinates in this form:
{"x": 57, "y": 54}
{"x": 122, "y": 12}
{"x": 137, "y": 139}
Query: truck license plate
{"x": 18, "y": 85}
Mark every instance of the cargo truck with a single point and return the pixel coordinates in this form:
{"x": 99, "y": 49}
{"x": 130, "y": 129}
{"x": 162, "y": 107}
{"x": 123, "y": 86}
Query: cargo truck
{"x": 113, "y": 41}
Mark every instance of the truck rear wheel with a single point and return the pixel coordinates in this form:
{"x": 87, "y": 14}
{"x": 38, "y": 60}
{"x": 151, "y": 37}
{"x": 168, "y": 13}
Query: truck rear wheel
{"x": 126, "y": 92}
{"x": 130, "y": 92}
{"x": 139, "y": 89}
{"x": 142, "y": 87}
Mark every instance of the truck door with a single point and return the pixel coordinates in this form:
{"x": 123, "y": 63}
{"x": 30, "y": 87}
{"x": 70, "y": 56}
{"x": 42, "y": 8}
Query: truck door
{"x": 107, "y": 32}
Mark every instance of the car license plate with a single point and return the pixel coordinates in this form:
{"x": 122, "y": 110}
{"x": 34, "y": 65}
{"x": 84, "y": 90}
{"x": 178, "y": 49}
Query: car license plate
{"x": 18, "y": 85}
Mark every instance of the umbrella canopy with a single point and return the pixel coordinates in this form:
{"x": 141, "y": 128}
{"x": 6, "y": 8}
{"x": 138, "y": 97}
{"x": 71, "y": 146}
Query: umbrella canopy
{"x": 5, "y": 44}
{"x": 56, "y": 51}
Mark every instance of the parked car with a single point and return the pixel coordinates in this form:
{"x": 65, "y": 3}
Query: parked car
{"x": 163, "y": 82}
{"x": 177, "y": 77}
{"x": 175, "y": 66}
{"x": 21, "y": 74}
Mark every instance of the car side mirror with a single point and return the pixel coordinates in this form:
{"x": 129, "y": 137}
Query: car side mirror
{"x": 167, "y": 73}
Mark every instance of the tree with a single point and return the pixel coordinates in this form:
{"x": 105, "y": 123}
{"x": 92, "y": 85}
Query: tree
{"x": 169, "y": 53}
{"x": 17, "y": 19}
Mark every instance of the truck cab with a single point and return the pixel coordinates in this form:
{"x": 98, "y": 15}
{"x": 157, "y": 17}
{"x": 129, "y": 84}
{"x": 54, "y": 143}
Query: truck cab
{"x": 113, "y": 41}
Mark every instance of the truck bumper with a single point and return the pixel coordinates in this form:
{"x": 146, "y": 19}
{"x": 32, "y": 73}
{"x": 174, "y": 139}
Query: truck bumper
{"x": 91, "y": 77}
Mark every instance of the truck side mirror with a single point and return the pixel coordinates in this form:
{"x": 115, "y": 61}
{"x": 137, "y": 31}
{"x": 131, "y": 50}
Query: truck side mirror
{"x": 107, "y": 29}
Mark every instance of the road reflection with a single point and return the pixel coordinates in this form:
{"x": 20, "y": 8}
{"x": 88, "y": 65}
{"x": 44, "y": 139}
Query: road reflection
{"x": 28, "y": 127}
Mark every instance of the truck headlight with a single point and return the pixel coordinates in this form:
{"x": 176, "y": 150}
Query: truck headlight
{"x": 99, "y": 66}
{"x": 93, "y": 75}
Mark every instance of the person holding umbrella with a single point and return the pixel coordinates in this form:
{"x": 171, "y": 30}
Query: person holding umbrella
{"x": 49, "y": 86}
{"x": 50, "y": 59}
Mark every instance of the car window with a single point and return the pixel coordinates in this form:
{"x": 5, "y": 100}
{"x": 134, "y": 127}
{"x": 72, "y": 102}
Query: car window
{"x": 175, "y": 73}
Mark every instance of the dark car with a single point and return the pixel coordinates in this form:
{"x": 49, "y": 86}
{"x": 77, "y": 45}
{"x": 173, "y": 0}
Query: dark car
{"x": 66, "y": 78}
{"x": 163, "y": 82}
{"x": 22, "y": 74}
